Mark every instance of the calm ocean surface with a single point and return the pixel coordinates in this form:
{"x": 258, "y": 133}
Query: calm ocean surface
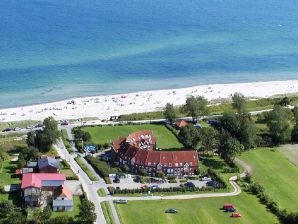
{"x": 57, "y": 49}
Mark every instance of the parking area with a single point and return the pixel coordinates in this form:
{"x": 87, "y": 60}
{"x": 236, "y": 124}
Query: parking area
{"x": 129, "y": 183}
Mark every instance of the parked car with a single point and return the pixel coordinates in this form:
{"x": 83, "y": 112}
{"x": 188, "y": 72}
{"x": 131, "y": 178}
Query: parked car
{"x": 154, "y": 187}
{"x": 7, "y": 129}
{"x": 171, "y": 210}
{"x": 121, "y": 201}
{"x": 206, "y": 179}
{"x": 212, "y": 183}
{"x": 64, "y": 123}
{"x": 189, "y": 184}
{"x": 227, "y": 206}
{"x": 17, "y": 129}
{"x": 230, "y": 209}
{"x": 236, "y": 215}
{"x": 116, "y": 180}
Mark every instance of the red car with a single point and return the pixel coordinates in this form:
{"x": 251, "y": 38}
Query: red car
{"x": 236, "y": 215}
{"x": 227, "y": 206}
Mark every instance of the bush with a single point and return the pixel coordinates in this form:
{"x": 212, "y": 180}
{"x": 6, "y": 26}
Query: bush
{"x": 107, "y": 180}
{"x": 101, "y": 167}
{"x": 173, "y": 181}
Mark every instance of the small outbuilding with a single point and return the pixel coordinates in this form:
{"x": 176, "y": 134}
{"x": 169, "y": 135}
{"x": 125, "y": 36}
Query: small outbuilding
{"x": 180, "y": 124}
{"x": 62, "y": 199}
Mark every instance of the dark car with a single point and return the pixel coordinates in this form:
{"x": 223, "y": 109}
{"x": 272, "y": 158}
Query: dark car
{"x": 212, "y": 183}
{"x": 116, "y": 180}
{"x": 230, "y": 209}
{"x": 171, "y": 210}
{"x": 189, "y": 184}
{"x": 7, "y": 129}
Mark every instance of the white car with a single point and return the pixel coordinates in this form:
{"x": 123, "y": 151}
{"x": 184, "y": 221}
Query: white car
{"x": 206, "y": 179}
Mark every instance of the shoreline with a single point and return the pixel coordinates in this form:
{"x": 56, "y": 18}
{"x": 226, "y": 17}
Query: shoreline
{"x": 105, "y": 106}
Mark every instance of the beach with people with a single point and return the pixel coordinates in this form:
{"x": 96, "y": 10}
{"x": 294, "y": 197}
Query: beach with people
{"x": 103, "y": 107}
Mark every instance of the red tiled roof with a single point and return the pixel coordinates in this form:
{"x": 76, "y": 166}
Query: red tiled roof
{"x": 63, "y": 191}
{"x": 130, "y": 149}
{"x": 35, "y": 179}
{"x": 181, "y": 123}
{"x": 117, "y": 143}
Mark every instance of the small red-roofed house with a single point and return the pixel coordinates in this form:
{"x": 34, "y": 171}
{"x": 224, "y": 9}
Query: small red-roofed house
{"x": 62, "y": 199}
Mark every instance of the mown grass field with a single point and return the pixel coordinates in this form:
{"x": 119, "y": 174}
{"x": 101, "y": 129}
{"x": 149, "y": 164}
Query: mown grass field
{"x": 106, "y": 134}
{"x": 276, "y": 173}
{"x": 199, "y": 211}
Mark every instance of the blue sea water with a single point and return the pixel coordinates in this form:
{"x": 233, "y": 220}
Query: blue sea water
{"x": 57, "y": 49}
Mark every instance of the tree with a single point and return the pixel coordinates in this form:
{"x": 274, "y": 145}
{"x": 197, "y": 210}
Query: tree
{"x": 285, "y": 101}
{"x": 82, "y": 135}
{"x": 87, "y": 213}
{"x": 239, "y": 103}
{"x": 21, "y": 161}
{"x": 279, "y": 125}
{"x": 208, "y": 137}
{"x": 230, "y": 122}
{"x": 44, "y": 139}
{"x": 294, "y": 136}
{"x": 295, "y": 113}
{"x": 230, "y": 148}
{"x": 189, "y": 136}
{"x": 169, "y": 113}
{"x": 60, "y": 220}
{"x": 247, "y": 132}
{"x": 196, "y": 106}
{"x": 15, "y": 217}
{"x": 160, "y": 174}
{"x": 30, "y": 154}
{"x": 5, "y": 208}
{"x": 143, "y": 172}
{"x": 46, "y": 213}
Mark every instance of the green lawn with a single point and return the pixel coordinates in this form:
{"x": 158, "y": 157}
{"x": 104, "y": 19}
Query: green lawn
{"x": 86, "y": 169}
{"x": 104, "y": 134}
{"x": 74, "y": 213}
{"x": 199, "y": 211}
{"x": 106, "y": 209}
{"x": 101, "y": 192}
{"x": 277, "y": 174}
{"x": 7, "y": 173}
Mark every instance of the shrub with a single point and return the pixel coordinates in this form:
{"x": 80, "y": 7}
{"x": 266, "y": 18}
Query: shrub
{"x": 107, "y": 180}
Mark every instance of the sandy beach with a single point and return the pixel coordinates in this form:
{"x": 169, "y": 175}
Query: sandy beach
{"x": 103, "y": 107}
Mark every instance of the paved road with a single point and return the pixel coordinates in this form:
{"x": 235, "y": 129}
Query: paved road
{"x": 248, "y": 169}
{"x": 84, "y": 179}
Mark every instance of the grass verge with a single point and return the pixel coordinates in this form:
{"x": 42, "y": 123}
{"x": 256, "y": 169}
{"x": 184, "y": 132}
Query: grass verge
{"x": 86, "y": 169}
{"x": 107, "y": 211}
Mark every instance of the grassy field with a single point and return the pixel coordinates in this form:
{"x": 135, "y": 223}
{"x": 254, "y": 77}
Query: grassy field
{"x": 106, "y": 208}
{"x": 74, "y": 213}
{"x": 277, "y": 174}
{"x": 199, "y": 211}
{"x": 7, "y": 171}
{"x": 65, "y": 140}
{"x": 101, "y": 135}
{"x": 86, "y": 169}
